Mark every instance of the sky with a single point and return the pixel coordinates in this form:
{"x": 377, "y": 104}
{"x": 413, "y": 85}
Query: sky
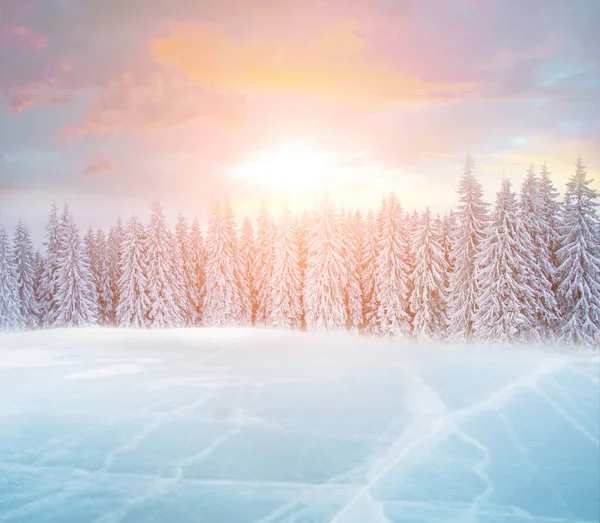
{"x": 109, "y": 104}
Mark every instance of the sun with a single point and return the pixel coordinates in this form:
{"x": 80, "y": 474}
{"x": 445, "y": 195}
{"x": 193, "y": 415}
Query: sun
{"x": 294, "y": 165}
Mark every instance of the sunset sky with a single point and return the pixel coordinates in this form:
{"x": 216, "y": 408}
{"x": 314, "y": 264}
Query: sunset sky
{"x": 108, "y": 104}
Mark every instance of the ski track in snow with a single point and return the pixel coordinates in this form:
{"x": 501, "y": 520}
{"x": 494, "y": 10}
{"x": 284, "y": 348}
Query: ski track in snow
{"x": 244, "y": 389}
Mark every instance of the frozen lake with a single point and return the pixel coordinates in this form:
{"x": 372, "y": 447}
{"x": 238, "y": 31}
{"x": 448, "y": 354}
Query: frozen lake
{"x": 226, "y": 426}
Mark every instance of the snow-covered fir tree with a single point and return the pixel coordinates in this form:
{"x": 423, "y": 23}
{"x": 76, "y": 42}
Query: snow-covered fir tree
{"x": 303, "y": 225}
{"x": 76, "y": 304}
{"x": 448, "y": 230}
{"x": 222, "y": 299}
{"x": 26, "y": 274}
{"x": 352, "y": 234}
{"x": 324, "y": 281}
{"x": 197, "y": 263}
{"x": 469, "y": 232}
{"x": 429, "y": 293}
{"x": 103, "y": 284}
{"x": 550, "y": 217}
{"x": 579, "y": 258}
{"x": 286, "y": 277}
{"x": 247, "y": 245}
{"x": 540, "y": 269}
{"x": 265, "y": 243}
{"x": 47, "y": 283}
{"x": 39, "y": 272}
{"x": 11, "y": 317}
{"x": 243, "y": 283}
{"x": 132, "y": 309}
{"x": 113, "y": 260}
{"x": 161, "y": 286}
{"x": 504, "y": 294}
{"x": 184, "y": 269}
{"x": 367, "y": 274}
{"x": 392, "y": 270}
{"x": 91, "y": 252}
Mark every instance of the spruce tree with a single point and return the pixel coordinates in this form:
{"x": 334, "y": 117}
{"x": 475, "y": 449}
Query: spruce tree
{"x": 429, "y": 294}
{"x": 113, "y": 252}
{"x": 471, "y": 222}
{"x": 286, "y": 276}
{"x": 550, "y": 216}
{"x": 368, "y": 259}
{"x": 542, "y": 309}
{"x": 503, "y": 302}
{"x": 91, "y": 252}
{"x": 184, "y": 269}
{"x": 11, "y": 316}
{"x": 26, "y": 272}
{"x": 222, "y": 299}
{"x": 265, "y": 242}
{"x": 579, "y": 258}
{"x": 133, "y": 307}
{"x": 75, "y": 291}
{"x": 392, "y": 271}
{"x": 103, "y": 283}
{"x": 324, "y": 296}
{"x": 47, "y": 283}
{"x": 198, "y": 257}
{"x": 248, "y": 265}
{"x": 352, "y": 234}
{"x": 162, "y": 287}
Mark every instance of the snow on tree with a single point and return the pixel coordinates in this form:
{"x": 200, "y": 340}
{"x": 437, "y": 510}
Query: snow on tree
{"x": 113, "y": 260}
{"x": 89, "y": 242}
{"x": 37, "y": 285}
{"x": 247, "y": 245}
{"x": 324, "y": 296}
{"x": 47, "y": 283}
{"x": 550, "y": 216}
{"x": 448, "y": 228}
{"x": 504, "y": 294}
{"x": 197, "y": 262}
{"x": 392, "y": 271}
{"x": 368, "y": 259}
{"x": 184, "y": 269}
{"x": 26, "y": 273}
{"x": 103, "y": 284}
{"x": 286, "y": 276}
{"x": 132, "y": 309}
{"x": 75, "y": 291}
{"x": 429, "y": 294}
{"x": 471, "y": 221}
{"x": 223, "y": 298}
{"x": 265, "y": 242}
{"x": 303, "y": 225}
{"x": 11, "y": 317}
{"x": 542, "y": 310}
{"x": 161, "y": 286}
{"x": 352, "y": 233}
{"x": 579, "y": 257}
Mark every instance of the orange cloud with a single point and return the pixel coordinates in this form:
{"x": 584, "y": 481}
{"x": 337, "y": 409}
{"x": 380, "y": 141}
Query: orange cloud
{"x": 333, "y": 62}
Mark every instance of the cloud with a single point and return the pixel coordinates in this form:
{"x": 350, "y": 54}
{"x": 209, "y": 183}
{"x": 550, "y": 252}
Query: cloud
{"x": 155, "y": 100}
{"x": 332, "y": 61}
{"x": 98, "y": 165}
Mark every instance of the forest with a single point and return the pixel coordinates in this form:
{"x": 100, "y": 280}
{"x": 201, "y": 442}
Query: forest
{"x": 525, "y": 269}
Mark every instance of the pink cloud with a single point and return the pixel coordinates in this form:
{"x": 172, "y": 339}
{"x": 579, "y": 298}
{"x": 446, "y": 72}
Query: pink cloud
{"x": 29, "y": 37}
{"x": 154, "y": 100}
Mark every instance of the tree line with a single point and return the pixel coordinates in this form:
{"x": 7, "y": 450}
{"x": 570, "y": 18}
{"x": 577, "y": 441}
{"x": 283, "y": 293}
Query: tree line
{"x": 526, "y": 269}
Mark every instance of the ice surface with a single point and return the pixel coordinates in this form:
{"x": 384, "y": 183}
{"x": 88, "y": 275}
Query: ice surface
{"x": 180, "y": 426}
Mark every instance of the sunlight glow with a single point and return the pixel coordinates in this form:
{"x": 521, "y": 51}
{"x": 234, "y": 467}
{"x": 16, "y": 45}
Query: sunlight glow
{"x": 294, "y": 165}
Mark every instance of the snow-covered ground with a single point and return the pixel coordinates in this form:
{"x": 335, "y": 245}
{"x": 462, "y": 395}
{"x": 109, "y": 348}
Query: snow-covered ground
{"x": 227, "y": 426}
